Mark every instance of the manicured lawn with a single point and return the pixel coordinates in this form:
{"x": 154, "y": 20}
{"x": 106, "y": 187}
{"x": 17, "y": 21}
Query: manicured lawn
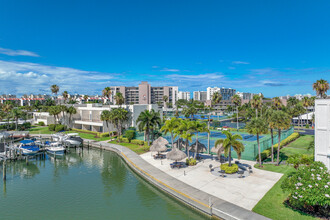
{"x": 299, "y": 146}
{"x": 271, "y": 205}
{"x": 139, "y": 149}
{"x": 40, "y": 130}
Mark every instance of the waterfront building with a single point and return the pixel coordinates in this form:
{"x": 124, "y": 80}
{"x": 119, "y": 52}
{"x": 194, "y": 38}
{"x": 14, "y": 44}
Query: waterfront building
{"x": 184, "y": 95}
{"x": 322, "y": 131}
{"x": 226, "y": 93}
{"x": 146, "y": 94}
{"x": 200, "y": 96}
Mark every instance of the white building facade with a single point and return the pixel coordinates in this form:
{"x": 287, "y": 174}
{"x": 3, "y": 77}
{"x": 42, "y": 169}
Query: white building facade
{"x": 322, "y": 131}
{"x": 184, "y": 95}
{"x": 226, "y": 93}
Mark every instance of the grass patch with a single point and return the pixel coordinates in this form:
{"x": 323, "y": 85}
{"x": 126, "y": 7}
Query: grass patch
{"x": 299, "y": 146}
{"x": 271, "y": 205}
{"x": 139, "y": 149}
{"x": 40, "y": 130}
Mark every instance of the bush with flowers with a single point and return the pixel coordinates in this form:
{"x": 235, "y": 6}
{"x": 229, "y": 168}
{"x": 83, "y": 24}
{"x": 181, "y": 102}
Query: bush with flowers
{"x": 309, "y": 189}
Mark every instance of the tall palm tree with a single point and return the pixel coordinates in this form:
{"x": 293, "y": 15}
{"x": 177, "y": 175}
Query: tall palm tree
{"x": 191, "y": 110}
{"x": 85, "y": 98}
{"x": 119, "y": 98}
{"x": 257, "y": 126}
{"x": 185, "y": 133}
{"x": 216, "y": 98}
{"x": 306, "y": 102}
{"x": 165, "y": 99}
{"x": 237, "y": 102}
{"x": 268, "y": 116}
{"x": 16, "y": 114}
{"x": 71, "y": 111}
{"x": 170, "y": 126}
{"x": 7, "y": 107}
{"x": 106, "y": 92}
{"x": 55, "y": 88}
{"x": 55, "y": 111}
{"x": 106, "y": 116}
{"x": 117, "y": 117}
{"x": 231, "y": 141}
{"x": 256, "y": 103}
{"x": 321, "y": 87}
{"x": 198, "y": 127}
{"x": 65, "y": 95}
{"x": 292, "y": 102}
{"x": 148, "y": 121}
{"x": 298, "y": 111}
{"x": 277, "y": 103}
{"x": 280, "y": 120}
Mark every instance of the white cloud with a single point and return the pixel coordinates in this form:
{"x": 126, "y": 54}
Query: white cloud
{"x": 169, "y": 70}
{"x": 23, "y": 77}
{"x": 240, "y": 62}
{"x": 11, "y": 52}
{"x": 206, "y": 76}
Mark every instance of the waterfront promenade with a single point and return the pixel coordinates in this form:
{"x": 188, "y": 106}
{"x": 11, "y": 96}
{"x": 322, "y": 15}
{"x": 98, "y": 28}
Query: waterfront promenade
{"x": 196, "y": 198}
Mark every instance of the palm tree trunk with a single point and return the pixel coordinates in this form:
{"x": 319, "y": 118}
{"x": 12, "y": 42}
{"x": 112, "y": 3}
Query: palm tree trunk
{"x": 16, "y": 123}
{"x": 208, "y": 136}
{"x": 272, "y": 136}
{"x": 229, "y": 157}
{"x": 187, "y": 151}
{"x": 196, "y": 146}
{"x": 256, "y": 113}
{"x": 259, "y": 150}
{"x": 237, "y": 117}
{"x": 172, "y": 140}
{"x": 147, "y": 133}
{"x": 108, "y": 128}
{"x": 278, "y": 147}
{"x": 307, "y": 116}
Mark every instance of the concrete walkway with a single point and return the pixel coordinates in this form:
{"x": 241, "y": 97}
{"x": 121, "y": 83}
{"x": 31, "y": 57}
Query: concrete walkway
{"x": 196, "y": 198}
{"x": 245, "y": 192}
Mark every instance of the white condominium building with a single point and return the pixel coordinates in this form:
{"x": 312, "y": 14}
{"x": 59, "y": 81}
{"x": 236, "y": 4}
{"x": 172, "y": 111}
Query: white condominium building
{"x": 184, "y": 95}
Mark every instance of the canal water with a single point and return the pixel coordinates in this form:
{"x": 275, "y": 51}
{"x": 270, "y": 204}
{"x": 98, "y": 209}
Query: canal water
{"x": 94, "y": 185}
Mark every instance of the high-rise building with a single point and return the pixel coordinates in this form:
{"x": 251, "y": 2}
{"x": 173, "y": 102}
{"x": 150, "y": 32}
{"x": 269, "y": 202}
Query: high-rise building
{"x": 146, "y": 94}
{"x": 184, "y": 95}
{"x": 226, "y": 93}
{"x": 200, "y": 96}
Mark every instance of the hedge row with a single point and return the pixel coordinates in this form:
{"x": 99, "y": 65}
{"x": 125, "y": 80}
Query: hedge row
{"x": 135, "y": 141}
{"x": 98, "y": 134}
{"x": 57, "y": 128}
{"x": 229, "y": 169}
{"x": 266, "y": 153}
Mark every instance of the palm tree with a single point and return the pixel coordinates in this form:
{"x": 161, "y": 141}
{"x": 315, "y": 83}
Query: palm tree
{"x": 85, "y": 98}
{"x": 165, "y": 99}
{"x": 257, "y": 126}
{"x": 148, "y": 121}
{"x": 119, "y": 98}
{"x": 216, "y": 98}
{"x": 106, "y": 92}
{"x": 237, "y": 102}
{"x": 170, "y": 126}
{"x": 7, "y": 107}
{"x": 106, "y": 116}
{"x": 292, "y": 102}
{"x": 280, "y": 120}
{"x": 55, "y": 111}
{"x": 117, "y": 117}
{"x": 321, "y": 87}
{"x": 256, "y": 103}
{"x": 185, "y": 133}
{"x": 197, "y": 127}
{"x": 268, "y": 116}
{"x": 231, "y": 141}
{"x": 71, "y": 111}
{"x": 298, "y": 111}
{"x": 54, "y": 88}
{"x": 277, "y": 103}
{"x": 306, "y": 102}
{"x": 191, "y": 110}
{"x": 65, "y": 96}
{"x": 16, "y": 114}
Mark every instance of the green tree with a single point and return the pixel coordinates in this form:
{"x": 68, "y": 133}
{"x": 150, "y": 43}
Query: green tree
{"x": 256, "y": 103}
{"x": 106, "y": 116}
{"x": 65, "y": 95}
{"x": 55, "y": 111}
{"x": 216, "y": 98}
{"x": 117, "y": 117}
{"x": 119, "y": 98}
{"x": 237, "y": 102}
{"x": 268, "y": 117}
{"x": 257, "y": 126}
{"x": 148, "y": 121}
{"x": 185, "y": 132}
{"x": 6, "y": 108}
{"x": 321, "y": 87}
{"x": 16, "y": 114}
{"x": 191, "y": 110}
{"x": 54, "y": 89}
{"x": 197, "y": 127}
{"x": 170, "y": 126}
{"x": 71, "y": 111}
{"x": 280, "y": 121}
{"x": 231, "y": 141}
{"x": 106, "y": 92}
{"x": 306, "y": 102}
{"x": 277, "y": 103}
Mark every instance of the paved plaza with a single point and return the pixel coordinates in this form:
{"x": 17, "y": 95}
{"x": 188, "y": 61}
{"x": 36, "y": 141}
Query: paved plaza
{"x": 244, "y": 192}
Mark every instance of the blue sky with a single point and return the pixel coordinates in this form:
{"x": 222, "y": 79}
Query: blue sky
{"x": 274, "y": 47}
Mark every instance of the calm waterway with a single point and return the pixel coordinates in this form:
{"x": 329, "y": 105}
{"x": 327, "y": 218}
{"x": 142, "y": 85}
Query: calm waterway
{"x": 96, "y": 185}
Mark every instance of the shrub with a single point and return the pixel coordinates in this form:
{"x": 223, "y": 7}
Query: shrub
{"x": 51, "y": 127}
{"x": 139, "y": 142}
{"x": 125, "y": 140}
{"x": 41, "y": 123}
{"x": 309, "y": 189}
{"x": 129, "y": 134}
{"x": 307, "y": 126}
{"x": 300, "y": 159}
{"x": 60, "y": 128}
{"x": 229, "y": 169}
{"x": 104, "y": 135}
{"x": 266, "y": 153}
{"x": 191, "y": 162}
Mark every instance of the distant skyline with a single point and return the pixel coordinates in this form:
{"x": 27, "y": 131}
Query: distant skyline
{"x": 273, "y": 47}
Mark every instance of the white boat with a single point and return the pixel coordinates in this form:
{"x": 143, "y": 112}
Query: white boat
{"x": 73, "y": 139}
{"x": 55, "y": 148}
{"x": 28, "y": 148}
